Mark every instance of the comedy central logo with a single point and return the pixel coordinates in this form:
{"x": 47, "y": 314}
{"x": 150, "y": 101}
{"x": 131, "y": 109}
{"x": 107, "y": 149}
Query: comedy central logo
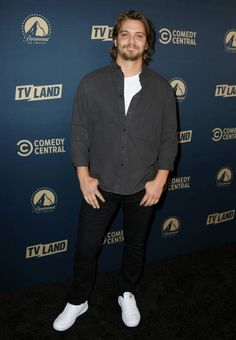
{"x": 44, "y": 200}
{"x": 115, "y": 236}
{"x": 230, "y": 41}
{"x": 102, "y": 32}
{"x": 224, "y": 177}
{"x": 177, "y": 183}
{"x": 180, "y": 88}
{"x": 42, "y": 92}
{"x": 177, "y": 36}
{"x": 171, "y": 226}
{"x": 41, "y": 146}
{"x": 36, "y": 29}
{"x": 223, "y": 134}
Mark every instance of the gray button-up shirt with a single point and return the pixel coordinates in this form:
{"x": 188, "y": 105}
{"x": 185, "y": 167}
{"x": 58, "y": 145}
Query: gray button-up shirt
{"x": 124, "y": 151}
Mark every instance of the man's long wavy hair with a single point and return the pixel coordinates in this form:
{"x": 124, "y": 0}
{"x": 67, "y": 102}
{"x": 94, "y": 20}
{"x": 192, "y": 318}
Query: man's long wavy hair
{"x": 149, "y": 28}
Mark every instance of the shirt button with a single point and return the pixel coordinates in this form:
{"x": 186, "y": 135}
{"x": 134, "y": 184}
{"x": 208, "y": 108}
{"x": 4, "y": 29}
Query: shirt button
{"x": 121, "y": 164}
{"x": 124, "y": 130}
{"x": 122, "y": 147}
{"x": 121, "y": 95}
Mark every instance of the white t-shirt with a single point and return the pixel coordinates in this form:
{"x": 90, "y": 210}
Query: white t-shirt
{"x": 131, "y": 87}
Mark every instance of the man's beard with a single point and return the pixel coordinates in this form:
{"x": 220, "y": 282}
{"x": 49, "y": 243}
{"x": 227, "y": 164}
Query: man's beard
{"x": 130, "y": 55}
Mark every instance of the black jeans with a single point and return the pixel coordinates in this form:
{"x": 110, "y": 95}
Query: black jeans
{"x": 92, "y": 227}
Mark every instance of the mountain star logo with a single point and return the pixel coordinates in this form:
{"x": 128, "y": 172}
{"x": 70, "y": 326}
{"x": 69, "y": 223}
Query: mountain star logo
{"x": 180, "y": 88}
{"x": 171, "y": 226}
{"x": 44, "y": 200}
{"x": 230, "y": 41}
{"x": 36, "y": 29}
{"x": 224, "y": 176}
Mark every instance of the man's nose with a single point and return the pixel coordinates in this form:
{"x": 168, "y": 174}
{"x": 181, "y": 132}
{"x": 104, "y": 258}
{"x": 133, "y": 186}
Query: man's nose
{"x": 131, "y": 39}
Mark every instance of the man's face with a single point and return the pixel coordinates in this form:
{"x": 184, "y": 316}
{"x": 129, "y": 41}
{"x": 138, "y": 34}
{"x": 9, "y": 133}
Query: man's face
{"x": 131, "y": 40}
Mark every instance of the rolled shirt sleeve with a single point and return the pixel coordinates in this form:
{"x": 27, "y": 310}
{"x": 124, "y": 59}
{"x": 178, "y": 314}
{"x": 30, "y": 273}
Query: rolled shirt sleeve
{"x": 79, "y": 129}
{"x": 169, "y": 143}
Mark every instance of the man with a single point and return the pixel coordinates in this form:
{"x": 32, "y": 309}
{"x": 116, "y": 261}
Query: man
{"x": 123, "y": 147}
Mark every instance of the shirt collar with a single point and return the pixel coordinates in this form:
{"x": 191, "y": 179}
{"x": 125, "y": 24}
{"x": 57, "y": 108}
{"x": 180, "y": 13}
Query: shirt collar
{"x": 116, "y": 68}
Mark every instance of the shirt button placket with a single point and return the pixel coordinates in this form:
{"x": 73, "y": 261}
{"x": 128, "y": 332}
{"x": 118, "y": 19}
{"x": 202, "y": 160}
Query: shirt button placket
{"x": 123, "y": 143}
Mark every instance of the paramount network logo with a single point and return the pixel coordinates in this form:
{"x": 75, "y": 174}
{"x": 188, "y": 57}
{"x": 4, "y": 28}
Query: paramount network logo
{"x": 36, "y": 29}
{"x": 224, "y": 177}
{"x": 102, "y": 32}
{"x": 44, "y": 200}
{"x": 171, "y": 226}
{"x": 230, "y": 41}
{"x": 43, "y": 92}
{"x": 180, "y": 88}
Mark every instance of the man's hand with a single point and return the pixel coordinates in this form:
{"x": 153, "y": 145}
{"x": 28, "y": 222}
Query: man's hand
{"x": 89, "y": 187}
{"x": 154, "y": 189}
{"x": 153, "y": 193}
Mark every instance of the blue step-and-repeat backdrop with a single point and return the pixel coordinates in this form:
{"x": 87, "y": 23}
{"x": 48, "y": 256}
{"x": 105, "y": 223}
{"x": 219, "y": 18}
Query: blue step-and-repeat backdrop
{"x": 46, "y": 48}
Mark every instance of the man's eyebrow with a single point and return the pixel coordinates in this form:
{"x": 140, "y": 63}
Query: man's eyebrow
{"x": 121, "y": 31}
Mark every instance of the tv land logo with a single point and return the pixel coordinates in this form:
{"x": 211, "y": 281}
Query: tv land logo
{"x": 177, "y": 183}
{"x": 41, "y": 250}
{"x": 224, "y": 134}
{"x": 36, "y": 29}
{"x": 217, "y": 218}
{"x": 171, "y": 226}
{"x": 184, "y": 136}
{"x": 177, "y": 37}
{"x": 180, "y": 88}
{"x": 230, "y": 40}
{"x": 44, "y": 200}
{"x": 41, "y": 147}
{"x": 225, "y": 90}
{"x": 224, "y": 177}
{"x": 115, "y": 236}
{"x": 101, "y": 32}
{"x": 41, "y": 92}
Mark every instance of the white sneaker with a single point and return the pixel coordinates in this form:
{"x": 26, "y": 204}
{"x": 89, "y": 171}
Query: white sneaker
{"x": 130, "y": 312}
{"x": 70, "y": 313}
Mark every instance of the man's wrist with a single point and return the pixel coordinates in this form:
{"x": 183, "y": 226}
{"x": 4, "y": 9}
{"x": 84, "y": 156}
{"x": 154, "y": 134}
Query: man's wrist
{"x": 82, "y": 172}
{"x": 162, "y": 176}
